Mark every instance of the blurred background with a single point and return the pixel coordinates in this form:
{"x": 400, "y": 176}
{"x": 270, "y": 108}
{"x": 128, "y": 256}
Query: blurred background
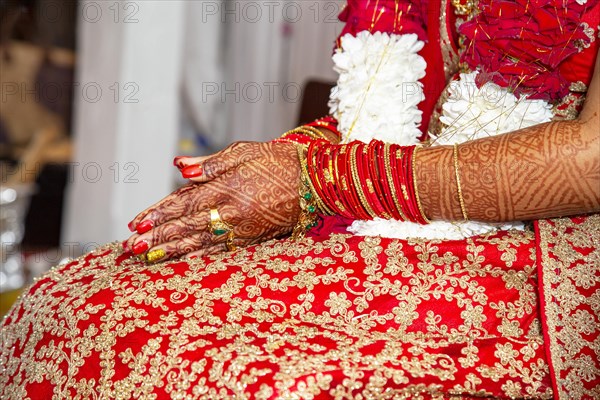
{"x": 98, "y": 97}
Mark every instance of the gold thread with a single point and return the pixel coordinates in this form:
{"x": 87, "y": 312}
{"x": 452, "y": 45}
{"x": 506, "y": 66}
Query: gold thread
{"x": 367, "y": 90}
{"x": 461, "y": 200}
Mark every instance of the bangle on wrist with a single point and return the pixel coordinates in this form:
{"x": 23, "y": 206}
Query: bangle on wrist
{"x": 365, "y": 181}
{"x": 461, "y": 200}
{"x": 307, "y": 218}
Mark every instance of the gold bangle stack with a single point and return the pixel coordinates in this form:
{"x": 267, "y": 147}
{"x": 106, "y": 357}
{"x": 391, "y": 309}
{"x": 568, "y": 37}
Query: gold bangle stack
{"x": 309, "y": 201}
{"x": 308, "y": 182}
{"x": 416, "y": 188}
{"x": 461, "y": 200}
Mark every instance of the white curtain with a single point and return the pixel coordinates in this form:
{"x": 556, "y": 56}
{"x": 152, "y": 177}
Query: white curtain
{"x": 247, "y": 62}
{"x": 215, "y": 66}
{"x": 126, "y": 115}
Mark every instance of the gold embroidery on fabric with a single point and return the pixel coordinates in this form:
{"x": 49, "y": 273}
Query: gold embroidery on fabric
{"x": 160, "y": 313}
{"x": 568, "y": 108}
{"x": 571, "y": 268}
{"x": 589, "y": 32}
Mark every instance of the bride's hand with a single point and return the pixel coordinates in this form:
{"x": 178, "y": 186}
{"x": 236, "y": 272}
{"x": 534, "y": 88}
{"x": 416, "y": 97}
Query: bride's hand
{"x": 253, "y": 186}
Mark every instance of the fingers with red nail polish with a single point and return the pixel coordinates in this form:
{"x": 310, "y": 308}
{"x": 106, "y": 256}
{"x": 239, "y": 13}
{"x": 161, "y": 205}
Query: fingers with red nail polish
{"x": 144, "y": 226}
{"x": 140, "y": 247}
{"x": 193, "y": 171}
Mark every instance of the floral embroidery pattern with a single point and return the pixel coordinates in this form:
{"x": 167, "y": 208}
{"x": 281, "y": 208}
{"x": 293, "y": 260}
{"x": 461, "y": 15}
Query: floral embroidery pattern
{"x": 570, "y": 287}
{"x": 338, "y": 317}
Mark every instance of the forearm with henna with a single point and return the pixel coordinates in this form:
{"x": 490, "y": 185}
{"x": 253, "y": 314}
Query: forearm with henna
{"x": 545, "y": 171}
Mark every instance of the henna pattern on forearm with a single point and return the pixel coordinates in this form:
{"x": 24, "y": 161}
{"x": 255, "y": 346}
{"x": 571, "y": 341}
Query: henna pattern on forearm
{"x": 436, "y": 183}
{"x": 544, "y": 171}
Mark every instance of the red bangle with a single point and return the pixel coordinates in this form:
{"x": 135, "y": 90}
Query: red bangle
{"x": 406, "y": 162}
{"x": 382, "y": 158}
{"x": 310, "y": 159}
{"x": 399, "y": 178}
{"x": 357, "y": 167}
{"x": 365, "y": 181}
{"x": 386, "y": 196}
{"x": 350, "y": 194}
{"x": 334, "y": 187}
{"x": 294, "y": 138}
{"x": 328, "y": 123}
{"x": 328, "y": 181}
{"x": 368, "y": 175}
{"x": 342, "y": 188}
{"x": 411, "y": 189}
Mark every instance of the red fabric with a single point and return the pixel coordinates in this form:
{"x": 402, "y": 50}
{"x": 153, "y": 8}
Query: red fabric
{"x": 432, "y": 53}
{"x": 447, "y": 298}
{"x": 525, "y": 53}
{"x": 579, "y": 67}
{"x": 368, "y": 316}
{"x": 387, "y": 16}
{"x": 569, "y": 276}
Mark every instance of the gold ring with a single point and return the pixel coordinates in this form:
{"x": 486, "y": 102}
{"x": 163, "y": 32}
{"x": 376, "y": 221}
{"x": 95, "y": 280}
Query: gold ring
{"x": 230, "y": 245}
{"x": 155, "y": 255}
{"x": 217, "y": 226}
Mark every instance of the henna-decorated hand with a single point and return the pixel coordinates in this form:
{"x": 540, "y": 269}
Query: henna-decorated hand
{"x": 254, "y": 187}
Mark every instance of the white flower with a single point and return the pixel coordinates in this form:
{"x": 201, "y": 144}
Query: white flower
{"x": 378, "y": 88}
{"x": 440, "y": 230}
{"x": 471, "y": 112}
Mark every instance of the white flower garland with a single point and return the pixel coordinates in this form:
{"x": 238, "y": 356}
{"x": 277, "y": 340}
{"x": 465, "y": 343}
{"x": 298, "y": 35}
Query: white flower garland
{"x": 377, "y": 95}
{"x": 378, "y": 88}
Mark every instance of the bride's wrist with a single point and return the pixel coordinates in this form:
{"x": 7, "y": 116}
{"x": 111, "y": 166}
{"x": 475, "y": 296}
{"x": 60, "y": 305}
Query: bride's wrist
{"x": 365, "y": 181}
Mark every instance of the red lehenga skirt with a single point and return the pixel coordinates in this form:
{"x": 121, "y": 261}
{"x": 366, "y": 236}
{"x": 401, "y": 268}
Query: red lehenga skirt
{"x": 333, "y": 316}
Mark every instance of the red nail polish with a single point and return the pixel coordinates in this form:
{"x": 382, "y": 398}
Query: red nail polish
{"x": 193, "y": 257}
{"x": 124, "y": 244}
{"x": 144, "y": 226}
{"x": 131, "y": 226}
{"x": 140, "y": 247}
{"x": 192, "y": 171}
